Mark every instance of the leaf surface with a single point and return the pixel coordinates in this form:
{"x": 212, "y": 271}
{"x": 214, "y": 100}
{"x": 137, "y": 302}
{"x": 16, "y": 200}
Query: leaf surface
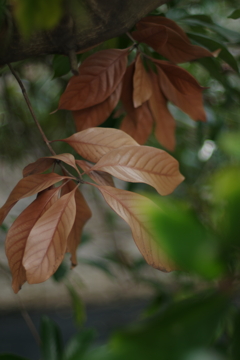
{"x": 142, "y": 88}
{"x": 47, "y": 241}
{"x": 181, "y": 89}
{"x": 19, "y": 231}
{"x": 93, "y": 143}
{"x": 96, "y": 115}
{"x": 29, "y": 186}
{"x": 165, "y": 123}
{"x": 99, "y": 76}
{"x": 131, "y": 208}
{"x": 44, "y": 163}
{"x": 143, "y": 164}
{"x": 100, "y": 177}
{"x": 83, "y": 214}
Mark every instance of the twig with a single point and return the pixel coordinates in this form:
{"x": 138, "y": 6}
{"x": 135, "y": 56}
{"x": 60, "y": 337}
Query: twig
{"x": 130, "y": 37}
{"x": 73, "y": 62}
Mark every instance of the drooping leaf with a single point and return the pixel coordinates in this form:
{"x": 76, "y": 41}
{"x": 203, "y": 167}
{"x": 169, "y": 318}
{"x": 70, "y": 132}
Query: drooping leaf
{"x": 165, "y": 123}
{"x": 83, "y": 214}
{"x": 93, "y": 143}
{"x": 181, "y": 89}
{"x": 47, "y": 241}
{"x": 143, "y": 164}
{"x": 44, "y": 163}
{"x": 19, "y": 231}
{"x": 96, "y": 115}
{"x": 235, "y": 14}
{"x": 78, "y": 308}
{"x": 27, "y": 187}
{"x": 99, "y": 76}
{"x": 51, "y": 340}
{"x": 138, "y": 122}
{"x": 142, "y": 89}
{"x": 131, "y": 208}
{"x": 100, "y": 177}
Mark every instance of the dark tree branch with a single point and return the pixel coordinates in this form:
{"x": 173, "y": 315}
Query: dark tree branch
{"x": 85, "y": 23}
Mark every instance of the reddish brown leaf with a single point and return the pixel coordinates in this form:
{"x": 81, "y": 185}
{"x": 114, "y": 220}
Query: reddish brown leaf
{"x": 161, "y": 20}
{"x": 47, "y": 241}
{"x": 19, "y": 232}
{"x": 170, "y": 43}
{"x": 96, "y": 115}
{"x": 28, "y": 186}
{"x": 139, "y": 122}
{"x": 83, "y": 214}
{"x": 143, "y": 164}
{"x": 99, "y": 76}
{"x": 181, "y": 89}
{"x": 93, "y": 143}
{"x": 44, "y": 163}
{"x": 131, "y": 208}
{"x": 142, "y": 88}
{"x": 165, "y": 123}
{"x": 100, "y": 177}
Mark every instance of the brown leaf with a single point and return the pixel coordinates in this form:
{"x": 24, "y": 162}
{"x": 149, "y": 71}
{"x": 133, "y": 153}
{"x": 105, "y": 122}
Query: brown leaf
{"x": 93, "y": 143}
{"x": 165, "y": 123}
{"x": 139, "y": 122}
{"x": 131, "y": 208}
{"x": 161, "y": 20}
{"x": 143, "y": 164}
{"x": 99, "y": 76}
{"x": 181, "y": 89}
{"x": 47, "y": 241}
{"x": 28, "y": 186}
{"x": 100, "y": 177}
{"x": 96, "y": 115}
{"x": 142, "y": 88}
{"x": 170, "y": 43}
{"x": 44, "y": 163}
{"x": 83, "y": 214}
{"x": 19, "y": 232}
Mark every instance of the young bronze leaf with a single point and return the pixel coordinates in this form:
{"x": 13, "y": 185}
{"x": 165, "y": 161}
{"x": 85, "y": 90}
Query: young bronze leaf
{"x": 47, "y": 241}
{"x": 154, "y": 36}
{"x": 93, "y": 143}
{"x": 19, "y": 232}
{"x": 139, "y": 122}
{"x": 44, "y": 163}
{"x": 83, "y": 214}
{"x": 161, "y": 20}
{"x": 96, "y": 115}
{"x": 165, "y": 123}
{"x": 100, "y": 177}
{"x": 99, "y": 76}
{"x": 181, "y": 89}
{"x": 142, "y": 88}
{"x": 143, "y": 164}
{"x": 28, "y": 186}
{"x": 131, "y": 208}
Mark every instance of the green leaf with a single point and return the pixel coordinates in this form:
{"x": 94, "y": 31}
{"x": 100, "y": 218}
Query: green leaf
{"x": 235, "y": 14}
{"x": 61, "y": 66}
{"x": 61, "y": 272}
{"x": 235, "y": 339}
{"x": 213, "y": 45}
{"x": 79, "y": 344}
{"x": 185, "y": 239}
{"x": 77, "y": 306}
{"x": 37, "y": 14}
{"x": 11, "y": 357}
{"x": 213, "y": 67}
{"x": 182, "y": 328}
{"x": 99, "y": 264}
{"x": 51, "y": 340}
{"x": 229, "y": 143}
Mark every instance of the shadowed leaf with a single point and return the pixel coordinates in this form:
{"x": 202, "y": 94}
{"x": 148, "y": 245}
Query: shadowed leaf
{"x": 143, "y": 164}
{"x": 142, "y": 89}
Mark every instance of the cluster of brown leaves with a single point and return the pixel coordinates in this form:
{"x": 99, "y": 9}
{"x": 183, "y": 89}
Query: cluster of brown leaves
{"x": 52, "y": 224}
{"x": 144, "y": 87}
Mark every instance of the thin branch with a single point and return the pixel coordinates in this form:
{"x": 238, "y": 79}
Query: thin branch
{"x": 73, "y": 62}
{"x": 130, "y": 37}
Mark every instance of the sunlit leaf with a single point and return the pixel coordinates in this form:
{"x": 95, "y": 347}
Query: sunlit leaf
{"x": 93, "y": 143}
{"x": 143, "y": 164}
{"x": 27, "y": 187}
{"x": 131, "y": 208}
{"x": 47, "y": 241}
{"x": 99, "y": 76}
{"x": 100, "y": 177}
{"x": 96, "y": 115}
{"x": 142, "y": 89}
